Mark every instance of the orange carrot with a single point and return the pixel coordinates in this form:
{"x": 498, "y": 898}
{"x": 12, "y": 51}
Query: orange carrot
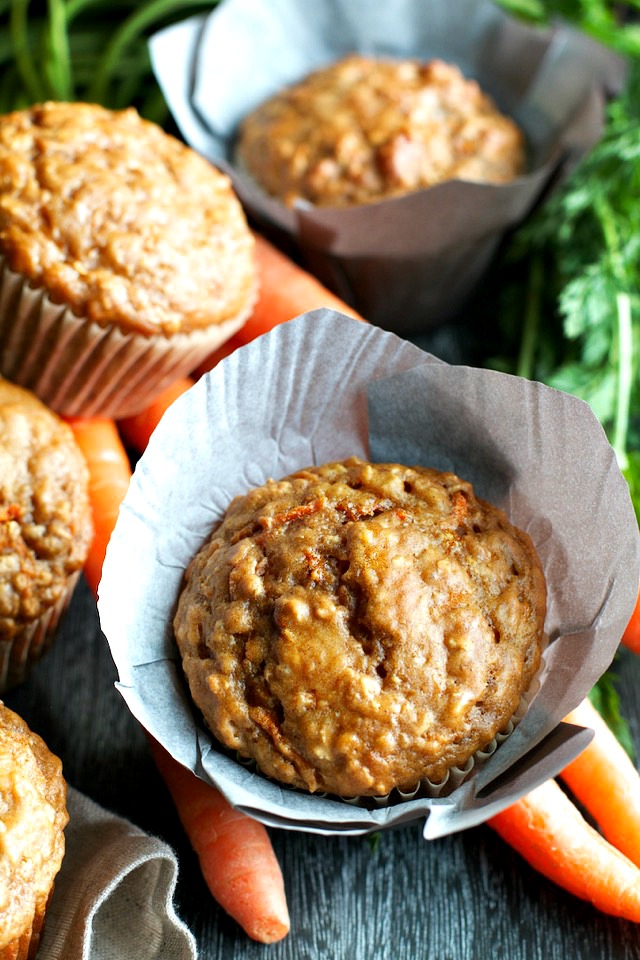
{"x": 548, "y": 830}
{"x": 285, "y": 290}
{"x": 235, "y": 852}
{"x": 137, "y": 429}
{"x": 604, "y": 779}
{"x": 109, "y": 476}
{"x": 631, "y": 635}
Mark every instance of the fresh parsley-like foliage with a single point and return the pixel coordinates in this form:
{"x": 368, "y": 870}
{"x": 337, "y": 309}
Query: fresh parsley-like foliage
{"x": 572, "y": 282}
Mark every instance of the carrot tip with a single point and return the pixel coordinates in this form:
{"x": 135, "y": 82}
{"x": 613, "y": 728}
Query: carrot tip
{"x": 268, "y": 931}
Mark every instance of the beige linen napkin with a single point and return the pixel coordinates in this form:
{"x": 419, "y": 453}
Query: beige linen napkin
{"x": 113, "y": 898}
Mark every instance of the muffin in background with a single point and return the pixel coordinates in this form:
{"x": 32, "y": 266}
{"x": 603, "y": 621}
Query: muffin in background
{"x": 366, "y": 129}
{"x": 45, "y": 527}
{"x": 33, "y": 816}
{"x": 126, "y": 257}
{"x": 356, "y": 628}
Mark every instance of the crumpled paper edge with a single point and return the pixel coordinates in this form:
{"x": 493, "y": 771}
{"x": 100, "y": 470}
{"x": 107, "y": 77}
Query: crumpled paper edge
{"x": 409, "y": 262}
{"x": 299, "y": 395}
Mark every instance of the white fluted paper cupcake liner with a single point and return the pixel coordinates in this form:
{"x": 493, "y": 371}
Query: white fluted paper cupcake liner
{"x": 19, "y": 653}
{"x": 81, "y": 369}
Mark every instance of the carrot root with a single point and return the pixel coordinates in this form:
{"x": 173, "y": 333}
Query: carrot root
{"x": 109, "y": 476}
{"x": 285, "y": 290}
{"x": 604, "y": 779}
{"x": 631, "y": 635}
{"x": 554, "y": 838}
{"x": 235, "y": 853}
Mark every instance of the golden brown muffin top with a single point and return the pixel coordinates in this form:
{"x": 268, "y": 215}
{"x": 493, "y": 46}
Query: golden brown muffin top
{"x": 366, "y": 129}
{"x": 33, "y": 816}
{"x": 357, "y": 627}
{"x": 121, "y": 221}
{"x": 45, "y": 518}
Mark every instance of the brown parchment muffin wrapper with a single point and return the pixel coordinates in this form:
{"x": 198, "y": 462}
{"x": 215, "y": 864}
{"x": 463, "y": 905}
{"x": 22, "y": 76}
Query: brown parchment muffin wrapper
{"x": 414, "y": 261}
{"x": 79, "y": 368}
{"x": 32, "y": 640}
{"x": 325, "y": 387}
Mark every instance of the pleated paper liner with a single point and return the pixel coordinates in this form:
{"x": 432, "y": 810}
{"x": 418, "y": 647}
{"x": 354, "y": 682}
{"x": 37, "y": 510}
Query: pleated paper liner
{"x": 79, "y": 368}
{"x": 31, "y": 641}
{"x": 323, "y": 387}
{"x": 411, "y": 262}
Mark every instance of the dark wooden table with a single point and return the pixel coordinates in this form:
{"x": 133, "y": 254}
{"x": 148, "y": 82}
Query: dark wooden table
{"x": 464, "y": 897}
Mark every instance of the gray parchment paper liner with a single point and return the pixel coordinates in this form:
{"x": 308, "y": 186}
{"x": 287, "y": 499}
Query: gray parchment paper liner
{"x": 410, "y": 262}
{"x": 324, "y": 387}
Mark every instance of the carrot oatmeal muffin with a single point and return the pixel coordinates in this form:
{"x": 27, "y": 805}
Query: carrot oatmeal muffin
{"x": 45, "y": 527}
{"x": 366, "y": 129}
{"x": 359, "y": 627}
{"x": 33, "y": 816}
{"x": 126, "y": 257}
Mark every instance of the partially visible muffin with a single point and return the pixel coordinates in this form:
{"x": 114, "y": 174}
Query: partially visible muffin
{"x": 45, "y": 527}
{"x": 358, "y": 627}
{"x": 127, "y": 257}
{"x": 366, "y": 129}
{"x": 33, "y": 816}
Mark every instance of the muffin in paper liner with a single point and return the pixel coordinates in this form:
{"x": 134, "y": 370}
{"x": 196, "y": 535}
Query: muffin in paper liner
{"x": 410, "y": 262}
{"x": 127, "y": 257}
{"x": 32, "y": 844}
{"x": 80, "y": 368}
{"x": 45, "y": 527}
{"x": 325, "y": 387}
{"x": 19, "y": 653}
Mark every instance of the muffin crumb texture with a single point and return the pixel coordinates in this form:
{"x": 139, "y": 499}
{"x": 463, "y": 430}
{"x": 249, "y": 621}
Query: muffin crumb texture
{"x": 45, "y": 518}
{"x": 120, "y": 221}
{"x": 33, "y": 816}
{"x": 358, "y": 627}
{"x": 366, "y": 129}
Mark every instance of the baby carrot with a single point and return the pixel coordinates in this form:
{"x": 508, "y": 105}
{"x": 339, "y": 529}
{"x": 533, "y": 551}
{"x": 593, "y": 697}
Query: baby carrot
{"x": 235, "y": 852}
{"x": 631, "y": 635}
{"x": 548, "y": 830}
{"x": 109, "y": 476}
{"x": 285, "y": 290}
{"x": 137, "y": 429}
{"x": 604, "y": 779}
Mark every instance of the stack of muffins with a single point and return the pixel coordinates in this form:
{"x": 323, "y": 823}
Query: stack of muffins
{"x": 125, "y": 259}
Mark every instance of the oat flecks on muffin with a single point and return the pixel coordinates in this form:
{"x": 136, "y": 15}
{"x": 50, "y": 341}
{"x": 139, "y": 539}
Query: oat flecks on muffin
{"x": 121, "y": 221}
{"x": 33, "y": 816}
{"x": 358, "y": 627}
{"x": 45, "y": 517}
{"x": 365, "y": 129}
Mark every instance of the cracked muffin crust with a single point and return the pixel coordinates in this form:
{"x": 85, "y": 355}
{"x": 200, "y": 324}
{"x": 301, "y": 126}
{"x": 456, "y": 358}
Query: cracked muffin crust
{"x": 365, "y": 129}
{"x": 33, "y": 816}
{"x": 121, "y": 221}
{"x": 360, "y": 627}
{"x": 125, "y": 258}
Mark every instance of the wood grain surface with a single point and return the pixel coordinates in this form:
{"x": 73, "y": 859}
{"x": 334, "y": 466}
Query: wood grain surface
{"x": 395, "y": 897}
